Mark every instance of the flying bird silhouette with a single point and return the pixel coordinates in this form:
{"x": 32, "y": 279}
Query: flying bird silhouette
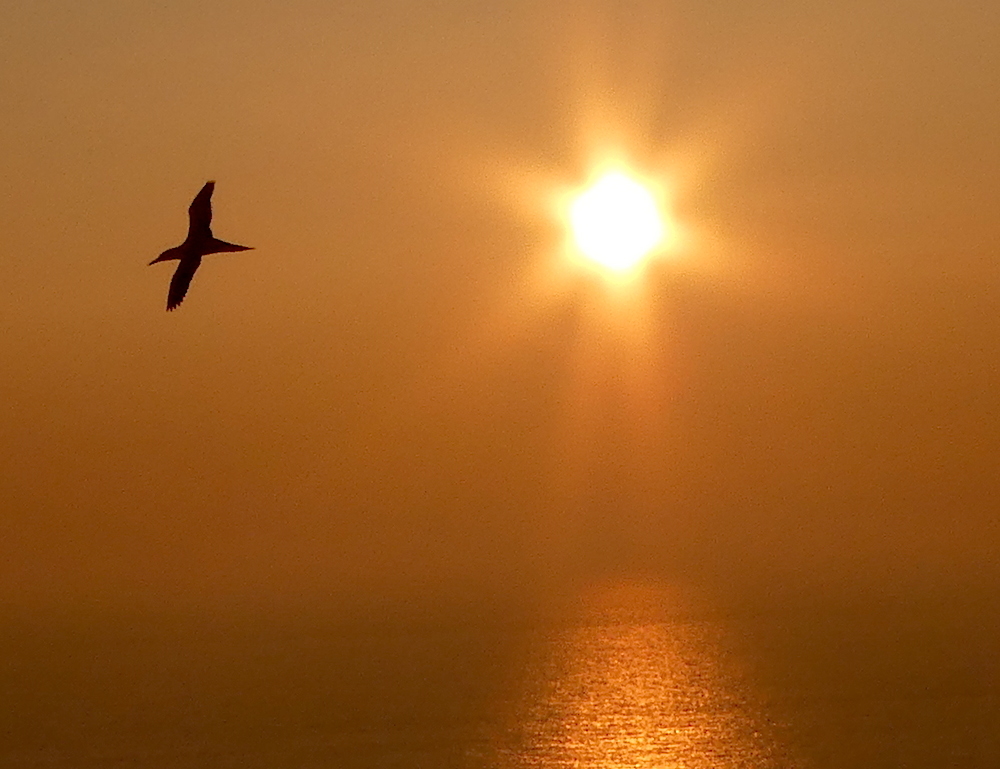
{"x": 199, "y": 242}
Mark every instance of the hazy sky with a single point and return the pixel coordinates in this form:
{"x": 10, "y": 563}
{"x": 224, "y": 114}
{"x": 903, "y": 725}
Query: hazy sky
{"x": 391, "y": 395}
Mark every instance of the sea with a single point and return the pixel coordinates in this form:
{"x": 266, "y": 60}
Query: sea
{"x": 618, "y": 673}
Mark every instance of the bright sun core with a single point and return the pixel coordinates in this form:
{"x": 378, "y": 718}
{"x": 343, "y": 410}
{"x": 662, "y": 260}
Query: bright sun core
{"x": 616, "y": 222}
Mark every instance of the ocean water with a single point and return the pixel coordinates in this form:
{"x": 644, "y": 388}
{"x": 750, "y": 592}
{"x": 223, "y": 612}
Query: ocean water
{"x": 625, "y": 674}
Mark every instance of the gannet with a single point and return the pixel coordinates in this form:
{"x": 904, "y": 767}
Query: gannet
{"x": 199, "y": 242}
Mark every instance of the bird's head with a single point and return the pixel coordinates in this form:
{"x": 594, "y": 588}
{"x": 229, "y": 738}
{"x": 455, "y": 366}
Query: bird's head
{"x": 171, "y": 253}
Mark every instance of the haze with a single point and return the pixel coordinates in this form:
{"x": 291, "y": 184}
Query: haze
{"x": 385, "y": 400}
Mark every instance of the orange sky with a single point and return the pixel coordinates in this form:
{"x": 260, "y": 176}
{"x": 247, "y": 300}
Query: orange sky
{"x": 386, "y": 397}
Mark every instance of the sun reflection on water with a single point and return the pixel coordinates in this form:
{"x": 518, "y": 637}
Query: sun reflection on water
{"x": 626, "y": 686}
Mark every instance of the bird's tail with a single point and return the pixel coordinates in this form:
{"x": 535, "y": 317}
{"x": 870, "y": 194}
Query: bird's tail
{"x": 215, "y": 246}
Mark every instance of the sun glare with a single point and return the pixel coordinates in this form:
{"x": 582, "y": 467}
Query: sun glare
{"x": 616, "y": 222}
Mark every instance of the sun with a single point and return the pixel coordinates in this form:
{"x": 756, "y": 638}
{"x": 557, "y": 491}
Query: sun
{"x": 616, "y": 222}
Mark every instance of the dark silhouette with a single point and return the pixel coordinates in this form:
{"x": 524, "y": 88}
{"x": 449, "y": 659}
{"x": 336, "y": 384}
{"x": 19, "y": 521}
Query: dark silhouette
{"x": 198, "y": 243}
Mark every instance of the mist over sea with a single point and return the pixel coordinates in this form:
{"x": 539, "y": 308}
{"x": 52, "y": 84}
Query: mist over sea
{"x": 624, "y": 673}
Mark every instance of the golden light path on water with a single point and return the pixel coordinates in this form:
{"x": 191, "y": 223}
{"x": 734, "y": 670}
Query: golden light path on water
{"x": 632, "y": 682}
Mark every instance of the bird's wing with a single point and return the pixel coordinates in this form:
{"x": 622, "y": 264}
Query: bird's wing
{"x": 181, "y": 280}
{"x": 200, "y": 212}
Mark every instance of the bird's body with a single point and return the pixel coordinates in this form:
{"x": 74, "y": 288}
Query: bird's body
{"x": 198, "y": 243}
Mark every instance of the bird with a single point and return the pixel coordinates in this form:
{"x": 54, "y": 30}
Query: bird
{"x": 198, "y": 243}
